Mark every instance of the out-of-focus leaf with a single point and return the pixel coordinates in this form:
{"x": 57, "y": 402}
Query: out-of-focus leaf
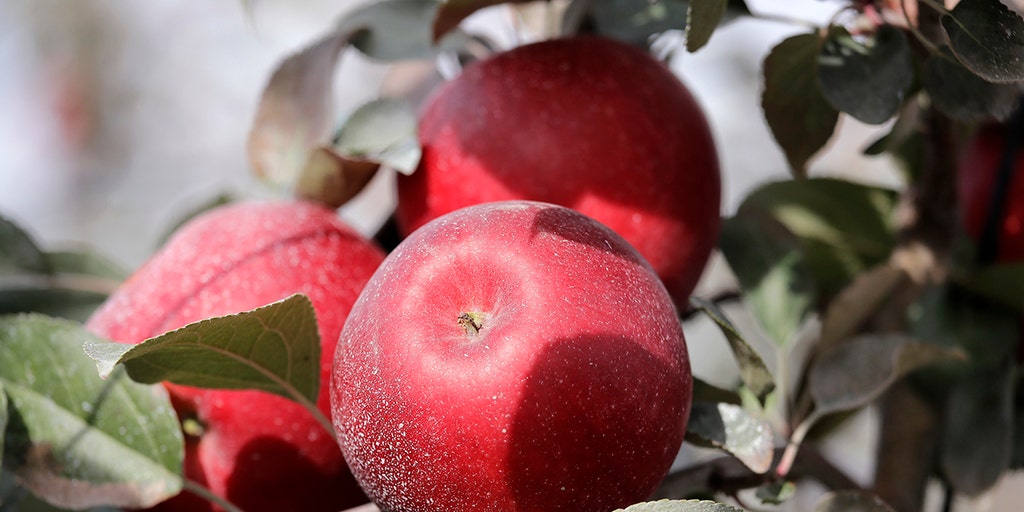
{"x": 631, "y": 21}
{"x": 858, "y": 371}
{"x": 702, "y": 18}
{"x": 769, "y": 263}
{"x": 1003, "y": 283}
{"x": 988, "y": 38}
{"x": 384, "y": 131}
{"x": 753, "y": 371}
{"x": 296, "y": 111}
{"x": 963, "y": 95}
{"x": 275, "y": 348}
{"x": 730, "y": 428}
{"x": 776, "y": 493}
{"x": 704, "y": 392}
{"x": 851, "y": 501}
{"x": 800, "y": 118}
{"x": 331, "y": 179}
{"x": 950, "y": 317}
{"x": 393, "y": 30}
{"x": 978, "y": 434}
{"x": 844, "y": 227}
{"x": 74, "y": 439}
{"x": 858, "y": 301}
{"x": 680, "y": 506}
{"x": 452, "y": 12}
{"x": 19, "y": 252}
{"x": 869, "y": 78}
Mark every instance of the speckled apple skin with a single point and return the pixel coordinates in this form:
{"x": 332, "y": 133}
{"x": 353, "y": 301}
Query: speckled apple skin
{"x": 573, "y": 396}
{"x": 978, "y": 166}
{"x": 588, "y": 123}
{"x": 260, "y": 451}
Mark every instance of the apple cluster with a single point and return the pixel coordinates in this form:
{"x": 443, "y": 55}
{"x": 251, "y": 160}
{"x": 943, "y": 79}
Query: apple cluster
{"x": 519, "y": 350}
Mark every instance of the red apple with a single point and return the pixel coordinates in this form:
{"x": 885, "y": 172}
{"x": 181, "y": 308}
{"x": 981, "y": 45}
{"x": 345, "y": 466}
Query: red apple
{"x": 511, "y": 356}
{"x": 978, "y": 169}
{"x": 588, "y": 123}
{"x": 260, "y": 451}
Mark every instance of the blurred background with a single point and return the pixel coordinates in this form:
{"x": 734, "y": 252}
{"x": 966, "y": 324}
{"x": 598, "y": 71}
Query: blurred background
{"x": 117, "y": 118}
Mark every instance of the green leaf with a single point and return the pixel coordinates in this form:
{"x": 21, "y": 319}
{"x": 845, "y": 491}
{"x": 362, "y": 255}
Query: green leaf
{"x": 851, "y": 501}
{"x": 867, "y": 78}
{"x": 769, "y": 263}
{"x": 631, "y": 21}
{"x": 702, "y": 18}
{"x": 383, "y": 131}
{"x": 19, "y": 252}
{"x": 951, "y": 317}
{"x": 753, "y": 372}
{"x": 76, "y": 440}
{"x": 730, "y": 428}
{"x": 963, "y": 95}
{"x": 859, "y": 301}
{"x": 275, "y": 348}
{"x": 979, "y": 425}
{"x": 1003, "y": 283}
{"x": 680, "y": 506}
{"x": 332, "y": 179}
{"x": 702, "y": 391}
{"x": 988, "y": 38}
{"x": 4, "y": 417}
{"x": 393, "y": 30}
{"x": 844, "y": 227}
{"x": 776, "y": 493}
{"x": 800, "y": 118}
{"x": 858, "y": 371}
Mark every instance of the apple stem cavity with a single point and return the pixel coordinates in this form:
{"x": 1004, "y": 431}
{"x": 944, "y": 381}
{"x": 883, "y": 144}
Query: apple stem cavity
{"x": 192, "y": 427}
{"x": 472, "y": 322}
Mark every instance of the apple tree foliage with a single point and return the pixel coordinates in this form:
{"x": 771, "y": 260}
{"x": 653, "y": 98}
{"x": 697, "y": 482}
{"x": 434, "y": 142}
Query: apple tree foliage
{"x": 861, "y": 296}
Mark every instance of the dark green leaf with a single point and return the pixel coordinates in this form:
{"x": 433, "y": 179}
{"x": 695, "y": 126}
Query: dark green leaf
{"x": 702, "y": 18}
{"x": 680, "y": 506}
{"x": 702, "y": 391}
{"x": 1003, "y": 283}
{"x": 753, "y": 371}
{"x": 869, "y": 78}
{"x": 963, "y": 95}
{"x": 776, "y": 493}
{"x": 800, "y": 118}
{"x": 949, "y": 317}
{"x": 77, "y": 282}
{"x": 844, "y": 227}
{"x": 988, "y": 38}
{"x": 275, "y": 348}
{"x": 769, "y": 263}
{"x": 851, "y": 501}
{"x": 393, "y": 30}
{"x": 632, "y": 21}
{"x": 74, "y": 439}
{"x": 3, "y": 419}
{"x": 730, "y": 428}
{"x": 18, "y": 252}
{"x": 383, "y": 131}
{"x": 978, "y": 433}
{"x": 858, "y": 371}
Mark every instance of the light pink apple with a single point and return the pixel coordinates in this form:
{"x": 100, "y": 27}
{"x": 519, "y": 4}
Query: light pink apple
{"x": 511, "y": 356}
{"x": 262, "y": 452}
{"x": 585, "y": 122}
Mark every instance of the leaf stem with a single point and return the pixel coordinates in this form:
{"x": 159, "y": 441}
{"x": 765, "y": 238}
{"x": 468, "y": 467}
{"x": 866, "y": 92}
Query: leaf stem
{"x": 785, "y": 464}
{"x": 204, "y": 492}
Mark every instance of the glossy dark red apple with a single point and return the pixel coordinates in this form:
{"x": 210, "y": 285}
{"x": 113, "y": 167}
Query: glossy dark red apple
{"x": 978, "y": 169}
{"x": 588, "y": 123}
{"x": 512, "y": 356}
{"x": 260, "y": 451}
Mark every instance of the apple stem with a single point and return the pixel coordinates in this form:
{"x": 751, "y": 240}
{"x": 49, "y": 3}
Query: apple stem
{"x": 204, "y": 492}
{"x": 472, "y": 322}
